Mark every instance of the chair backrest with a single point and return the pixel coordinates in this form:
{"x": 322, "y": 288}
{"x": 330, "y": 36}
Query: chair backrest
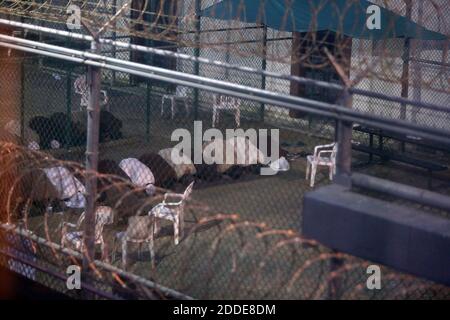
{"x": 188, "y": 191}
{"x": 334, "y": 153}
{"x": 182, "y": 91}
{"x": 325, "y": 147}
{"x": 103, "y": 216}
{"x": 81, "y": 87}
{"x": 217, "y": 99}
{"x": 226, "y": 101}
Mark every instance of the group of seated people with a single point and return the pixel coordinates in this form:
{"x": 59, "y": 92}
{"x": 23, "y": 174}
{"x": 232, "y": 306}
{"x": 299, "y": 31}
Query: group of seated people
{"x": 158, "y": 170}
{"x": 127, "y": 187}
{"x": 161, "y": 170}
{"x": 59, "y": 130}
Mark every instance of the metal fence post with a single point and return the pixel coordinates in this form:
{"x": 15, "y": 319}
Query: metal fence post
{"x": 22, "y": 98}
{"x": 93, "y": 124}
{"x": 148, "y": 95}
{"x": 417, "y": 79}
{"x": 343, "y": 133}
{"x": 405, "y": 81}
{"x": 114, "y": 53}
{"x": 264, "y": 68}
{"x": 344, "y": 138}
{"x": 405, "y": 69}
{"x": 69, "y": 106}
{"x": 197, "y": 53}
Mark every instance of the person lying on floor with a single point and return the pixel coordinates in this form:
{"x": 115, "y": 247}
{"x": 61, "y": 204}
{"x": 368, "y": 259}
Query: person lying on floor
{"x": 70, "y": 189}
{"x": 182, "y": 164}
{"x": 117, "y": 191}
{"x": 12, "y": 133}
{"x": 43, "y": 127}
{"x": 245, "y": 155}
{"x": 165, "y": 175}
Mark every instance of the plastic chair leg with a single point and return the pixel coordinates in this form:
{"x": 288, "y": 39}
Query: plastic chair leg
{"x": 124, "y": 254}
{"x": 313, "y": 175}
{"x": 308, "y": 169}
{"x": 176, "y": 230}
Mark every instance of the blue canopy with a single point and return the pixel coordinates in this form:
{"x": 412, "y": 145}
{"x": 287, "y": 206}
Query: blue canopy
{"x": 341, "y": 16}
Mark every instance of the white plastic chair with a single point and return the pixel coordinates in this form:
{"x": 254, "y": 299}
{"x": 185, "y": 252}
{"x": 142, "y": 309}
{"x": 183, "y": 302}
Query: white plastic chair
{"x": 323, "y": 156}
{"x": 81, "y": 87}
{"x": 222, "y": 103}
{"x": 103, "y": 216}
{"x": 172, "y": 211}
{"x": 140, "y": 230}
{"x": 181, "y": 94}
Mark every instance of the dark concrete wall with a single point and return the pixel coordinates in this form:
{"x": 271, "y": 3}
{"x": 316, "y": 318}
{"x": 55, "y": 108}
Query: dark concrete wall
{"x": 403, "y": 238}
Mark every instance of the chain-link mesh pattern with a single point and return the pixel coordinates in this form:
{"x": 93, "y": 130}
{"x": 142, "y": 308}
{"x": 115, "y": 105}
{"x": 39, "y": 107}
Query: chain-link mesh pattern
{"x": 240, "y": 231}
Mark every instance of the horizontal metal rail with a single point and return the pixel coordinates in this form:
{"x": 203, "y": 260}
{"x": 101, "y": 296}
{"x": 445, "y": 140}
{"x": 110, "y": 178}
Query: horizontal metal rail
{"x": 412, "y": 194}
{"x": 262, "y": 96}
{"x": 59, "y": 275}
{"x": 99, "y": 264}
{"x": 436, "y": 63}
{"x": 302, "y": 80}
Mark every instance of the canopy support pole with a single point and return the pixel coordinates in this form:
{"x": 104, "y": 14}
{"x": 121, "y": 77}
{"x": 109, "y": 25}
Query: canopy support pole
{"x": 197, "y": 54}
{"x": 405, "y": 70}
{"x": 93, "y": 124}
{"x": 264, "y": 68}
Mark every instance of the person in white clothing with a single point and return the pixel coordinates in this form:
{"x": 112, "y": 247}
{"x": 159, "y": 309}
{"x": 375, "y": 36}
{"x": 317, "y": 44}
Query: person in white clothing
{"x": 70, "y": 189}
{"x": 139, "y": 174}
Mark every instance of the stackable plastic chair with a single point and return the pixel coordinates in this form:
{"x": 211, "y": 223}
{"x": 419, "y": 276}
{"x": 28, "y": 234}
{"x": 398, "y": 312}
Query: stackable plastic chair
{"x": 172, "y": 209}
{"x": 225, "y": 103}
{"x": 74, "y": 239}
{"x": 323, "y": 156}
{"x": 181, "y": 94}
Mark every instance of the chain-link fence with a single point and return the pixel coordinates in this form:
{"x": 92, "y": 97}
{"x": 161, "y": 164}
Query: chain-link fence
{"x": 203, "y": 230}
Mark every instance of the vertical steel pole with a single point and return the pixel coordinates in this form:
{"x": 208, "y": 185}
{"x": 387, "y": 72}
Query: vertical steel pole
{"x": 22, "y": 97}
{"x": 405, "y": 81}
{"x": 344, "y": 132}
{"x": 197, "y": 53}
{"x": 93, "y": 124}
{"x": 264, "y": 68}
{"x": 22, "y": 92}
{"x": 69, "y": 106}
{"x": 114, "y": 37}
{"x": 227, "y": 52}
{"x": 417, "y": 85}
{"x": 405, "y": 71}
{"x": 148, "y": 96}
{"x": 344, "y": 139}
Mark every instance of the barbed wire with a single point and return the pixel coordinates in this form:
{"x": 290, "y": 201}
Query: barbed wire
{"x": 221, "y": 256}
{"x": 174, "y": 23}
